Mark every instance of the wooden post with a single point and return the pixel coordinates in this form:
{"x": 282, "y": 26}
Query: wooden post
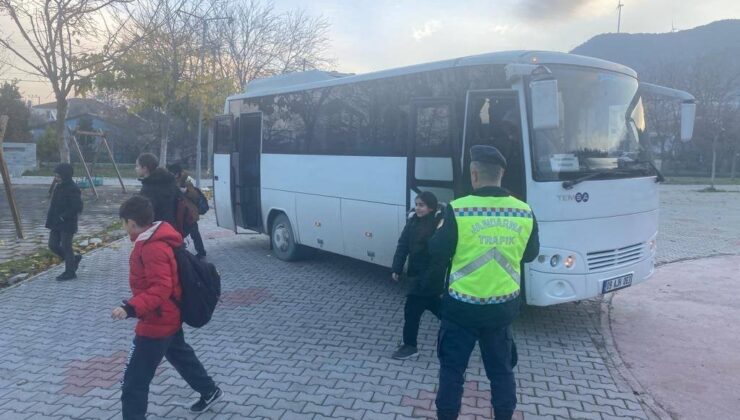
{"x": 101, "y": 134}
{"x": 110, "y": 154}
{"x": 84, "y": 164}
{"x": 6, "y": 181}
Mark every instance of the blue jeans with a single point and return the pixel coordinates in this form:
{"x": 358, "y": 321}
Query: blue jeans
{"x": 455, "y": 343}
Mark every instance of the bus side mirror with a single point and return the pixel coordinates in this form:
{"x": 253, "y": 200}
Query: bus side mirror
{"x": 545, "y": 104}
{"x": 688, "y": 113}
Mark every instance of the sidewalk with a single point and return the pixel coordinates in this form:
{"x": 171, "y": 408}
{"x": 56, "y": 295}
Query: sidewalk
{"x": 679, "y": 336}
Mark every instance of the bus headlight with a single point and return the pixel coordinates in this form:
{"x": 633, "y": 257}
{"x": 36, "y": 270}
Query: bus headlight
{"x": 555, "y": 260}
{"x": 653, "y": 244}
{"x": 569, "y": 261}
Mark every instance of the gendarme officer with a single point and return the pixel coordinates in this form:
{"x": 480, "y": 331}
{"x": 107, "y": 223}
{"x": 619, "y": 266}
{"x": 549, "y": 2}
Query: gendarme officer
{"x": 487, "y": 236}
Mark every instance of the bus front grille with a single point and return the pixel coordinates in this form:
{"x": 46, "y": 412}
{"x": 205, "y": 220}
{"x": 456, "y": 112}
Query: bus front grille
{"x": 599, "y": 260}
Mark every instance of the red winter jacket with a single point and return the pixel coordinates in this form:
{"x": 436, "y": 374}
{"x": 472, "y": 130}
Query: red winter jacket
{"x": 154, "y": 281}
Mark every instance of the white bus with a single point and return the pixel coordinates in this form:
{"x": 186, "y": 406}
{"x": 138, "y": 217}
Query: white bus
{"x": 333, "y": 162}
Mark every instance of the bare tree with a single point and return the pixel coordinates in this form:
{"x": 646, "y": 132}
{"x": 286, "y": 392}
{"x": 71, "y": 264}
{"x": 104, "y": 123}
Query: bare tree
{"x": 261, "y": 42}
{"x": 713, "y": 80}
{"x": 66, "y": 42}
{"x": 158, "y": 70}
{"x": 303, "y": 42}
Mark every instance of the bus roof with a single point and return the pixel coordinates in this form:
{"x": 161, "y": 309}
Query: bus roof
{"x": 295, "y": 82}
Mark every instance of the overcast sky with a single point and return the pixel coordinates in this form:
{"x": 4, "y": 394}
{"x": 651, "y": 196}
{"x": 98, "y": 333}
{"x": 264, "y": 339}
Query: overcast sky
{"x": 380, "y": 34}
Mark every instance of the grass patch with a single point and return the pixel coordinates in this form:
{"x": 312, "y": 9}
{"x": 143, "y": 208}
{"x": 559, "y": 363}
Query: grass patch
{"x": 104, "y": 170}
{"x": 716, "y": 190}
{"x": 43, "y": 259}
{"x": 693, "y": 180}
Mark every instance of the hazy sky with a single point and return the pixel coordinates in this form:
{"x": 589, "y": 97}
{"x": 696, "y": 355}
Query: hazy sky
{"x": 380, "y": 34}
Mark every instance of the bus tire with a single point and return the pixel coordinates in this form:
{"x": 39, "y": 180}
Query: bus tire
{"x": 282, "y": 239}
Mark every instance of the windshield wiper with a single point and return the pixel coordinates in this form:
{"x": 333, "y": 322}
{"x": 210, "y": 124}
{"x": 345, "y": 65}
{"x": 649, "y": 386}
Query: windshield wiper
{"x": 650, "y": 165}
{"x": 658, "y": 175}
{"x": 573, "y": 182}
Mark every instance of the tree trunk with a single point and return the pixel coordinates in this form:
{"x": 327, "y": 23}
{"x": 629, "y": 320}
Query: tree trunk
{"x": 61, "y": 129}
{"x": 165, "y": 137}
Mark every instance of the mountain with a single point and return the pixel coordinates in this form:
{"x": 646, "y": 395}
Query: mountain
{"x": 646, "y": 52}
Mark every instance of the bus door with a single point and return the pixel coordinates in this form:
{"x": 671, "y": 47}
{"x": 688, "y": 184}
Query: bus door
{"x": 247, "y": 160}
{"x": 432, "y": 163}
{"x": 493, "y": 118}
{"x": 223, "y": 172}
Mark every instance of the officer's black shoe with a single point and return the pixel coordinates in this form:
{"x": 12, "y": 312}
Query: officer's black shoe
{"x": 67, "y": 275}
{"x": 205, "y": 402}
{"x": 405, "y": 352}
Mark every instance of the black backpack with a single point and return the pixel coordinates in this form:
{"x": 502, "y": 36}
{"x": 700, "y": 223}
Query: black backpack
{"x": 202, "y": 202}
{"x": 201, "y": 288}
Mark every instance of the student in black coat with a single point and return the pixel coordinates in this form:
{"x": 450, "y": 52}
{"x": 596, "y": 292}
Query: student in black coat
{"x": 64, "y": 209}
{"x": 425, "y": 275}
{"x": 158, "y": 185}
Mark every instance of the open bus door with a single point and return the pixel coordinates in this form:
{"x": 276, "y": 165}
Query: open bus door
{"x": 432, "y": 164}
{"x": 246, "y": 160}
{"x": 223, "y": 172}
{"x": 493, "y": 118}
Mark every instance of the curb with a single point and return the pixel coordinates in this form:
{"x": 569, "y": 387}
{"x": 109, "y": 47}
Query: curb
{"x": 652, "y": 408}
{"x": 35, "y": 276}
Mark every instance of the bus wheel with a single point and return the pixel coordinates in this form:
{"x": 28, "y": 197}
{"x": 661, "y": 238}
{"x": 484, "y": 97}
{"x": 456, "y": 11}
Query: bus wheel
{"x": 283, "y": 240}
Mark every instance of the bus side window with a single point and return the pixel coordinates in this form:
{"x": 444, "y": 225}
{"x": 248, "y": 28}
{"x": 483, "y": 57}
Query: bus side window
{"x": 223, "y": 141}
{"x": 433, "y": 130}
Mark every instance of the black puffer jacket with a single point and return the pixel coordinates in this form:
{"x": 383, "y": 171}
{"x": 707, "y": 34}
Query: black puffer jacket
{"x": 425, "y": 275}
{"x": 160, "y": 188}
{"x": 65, "y": 206}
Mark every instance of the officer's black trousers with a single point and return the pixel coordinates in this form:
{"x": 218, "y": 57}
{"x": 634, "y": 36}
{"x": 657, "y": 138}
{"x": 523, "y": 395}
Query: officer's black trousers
{"x": 454, "y": 346}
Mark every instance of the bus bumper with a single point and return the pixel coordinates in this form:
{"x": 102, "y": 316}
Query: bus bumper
{"x": 543, "y": 289}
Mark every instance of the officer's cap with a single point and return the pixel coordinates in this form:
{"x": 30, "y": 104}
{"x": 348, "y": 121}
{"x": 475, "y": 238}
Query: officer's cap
{"x": 487, "y": 154}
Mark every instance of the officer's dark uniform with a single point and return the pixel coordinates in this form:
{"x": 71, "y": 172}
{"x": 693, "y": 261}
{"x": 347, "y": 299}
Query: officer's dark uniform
{"x": 489, "y": 323}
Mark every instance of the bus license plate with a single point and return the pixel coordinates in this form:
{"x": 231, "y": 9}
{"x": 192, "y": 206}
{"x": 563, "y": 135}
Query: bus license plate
{"x": 616, "y": 283}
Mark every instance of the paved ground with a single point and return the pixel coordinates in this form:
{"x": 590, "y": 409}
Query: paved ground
{"x": 678, "y": 335}
{"x": 301, "y": 340}
{"x": 33, "y": 202}
{"x": 695, "y": 225}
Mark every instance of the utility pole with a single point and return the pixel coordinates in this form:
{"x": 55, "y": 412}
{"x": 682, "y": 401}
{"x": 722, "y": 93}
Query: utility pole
{"x": 619, "y": 19}
{"x": 199, "y": 141}
{"x": 199, "y": 145}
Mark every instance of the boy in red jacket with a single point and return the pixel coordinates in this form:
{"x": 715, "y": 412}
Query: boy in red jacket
{"x": 156, "y": 288}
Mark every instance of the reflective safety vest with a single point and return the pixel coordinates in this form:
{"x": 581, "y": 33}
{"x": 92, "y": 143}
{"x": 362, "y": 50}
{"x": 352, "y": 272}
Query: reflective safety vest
{"x": 492, "y": 234}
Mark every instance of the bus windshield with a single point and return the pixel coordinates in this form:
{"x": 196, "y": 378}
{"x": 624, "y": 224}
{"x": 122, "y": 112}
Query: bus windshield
{"x": 599, "y": 118}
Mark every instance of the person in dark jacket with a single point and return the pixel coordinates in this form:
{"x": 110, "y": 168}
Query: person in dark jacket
{"x": 64, "y": 208}
{"x": 426, "y": 275}
{"x": 158, "y": 185}
{"x": 185, "y": 184}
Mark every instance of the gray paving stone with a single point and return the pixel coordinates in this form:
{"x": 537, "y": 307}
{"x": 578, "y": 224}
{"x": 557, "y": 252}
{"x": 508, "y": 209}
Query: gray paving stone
{"x": 291, "y": 334}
